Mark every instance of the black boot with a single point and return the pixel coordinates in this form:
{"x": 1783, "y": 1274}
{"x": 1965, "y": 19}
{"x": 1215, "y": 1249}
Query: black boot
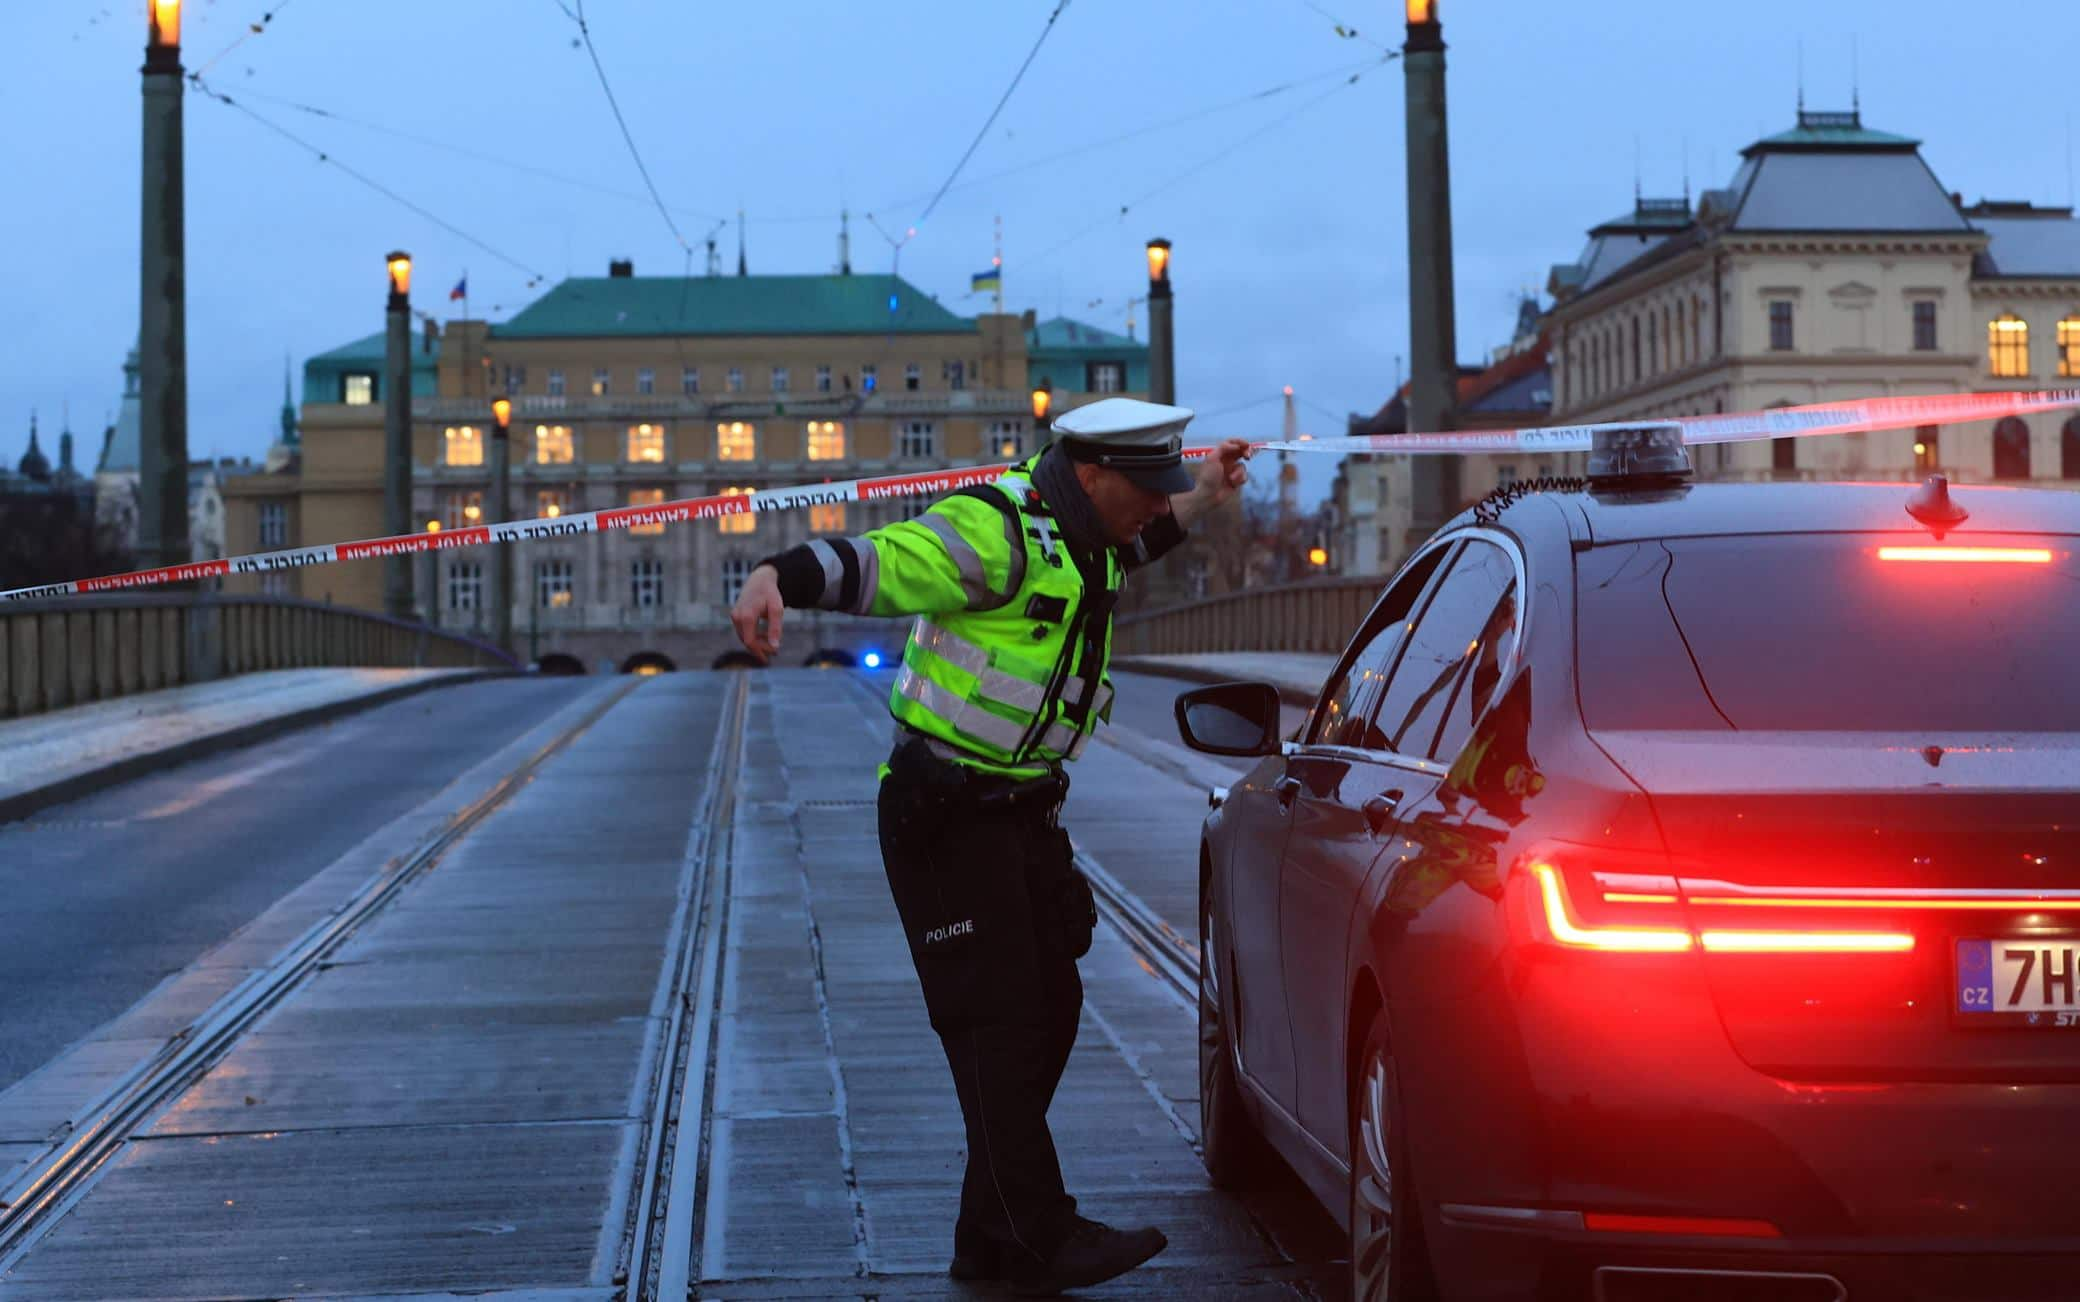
{"x": 1093, "y": 1253}
{"x": 975, "y": 1257}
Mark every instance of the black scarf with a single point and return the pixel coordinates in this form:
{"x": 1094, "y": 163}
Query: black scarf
{"x": 1055, "y": 476}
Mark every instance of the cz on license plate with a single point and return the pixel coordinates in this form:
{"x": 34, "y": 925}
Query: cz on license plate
{"x": 2019, "y": 982}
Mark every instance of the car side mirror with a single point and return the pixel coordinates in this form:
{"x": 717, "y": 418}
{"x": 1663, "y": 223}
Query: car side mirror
{"x": 1230, "y": 719}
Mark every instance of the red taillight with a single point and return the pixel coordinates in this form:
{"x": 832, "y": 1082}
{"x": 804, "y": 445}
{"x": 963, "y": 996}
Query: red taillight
{"x": 1730, "y": 1227}
{"x": 1565, "y": 930}
{"x": 1564, "y": 926}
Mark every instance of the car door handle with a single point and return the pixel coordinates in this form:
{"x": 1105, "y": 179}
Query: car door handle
{"x": 1379, "y": 811}
{"x": 1286, "y": 789}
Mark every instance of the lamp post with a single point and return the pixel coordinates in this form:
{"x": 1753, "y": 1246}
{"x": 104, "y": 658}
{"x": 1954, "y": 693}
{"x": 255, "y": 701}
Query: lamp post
{"x": 1434, "y": 370}
{"x": 1162, "y": 347}
{"x": 162, "y": 316}
{"x": 502, "y": 561}
{"x": 1043, "y": 410}
{"x": 397, "y": 431}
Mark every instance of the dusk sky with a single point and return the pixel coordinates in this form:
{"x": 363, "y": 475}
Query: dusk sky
{"x": 1286, "y": 210}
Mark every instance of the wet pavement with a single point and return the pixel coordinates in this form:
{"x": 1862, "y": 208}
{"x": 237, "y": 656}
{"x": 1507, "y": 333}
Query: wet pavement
{"x": 645, "y": 1027}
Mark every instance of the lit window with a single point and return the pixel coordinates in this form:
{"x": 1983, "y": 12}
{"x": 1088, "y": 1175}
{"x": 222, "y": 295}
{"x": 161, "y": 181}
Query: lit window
{"x": 646, "y": 380}
{"x": 1007, "y": 439}
{"x": 779, "y": 379}
{"x": 735, "y": 570}
{"x": 956, "y": 374}
{"x": 465, "y": 446}
{"x": 2007, "y": 346}
{"x": 274, "y": 524}
{"x": 826, "y": 440}
{"x": 358, "y": 390}
{"x": 823, "y": 379}
{"x": 690, "y": 381}
{"x": 920, "y": 438}
{"x": 646, "y": 582}
{"x": 913, "y": 377}
{"x": 460, "y": 508}
{"x": 736, "y": 379}
{"x": 2069, "y": 346}
{"x": 553, "y": 446}
{"x": 1779, "y": 324}
{"x": 736, "y": 440}
{"x": 1924, "y": 326}
{"x": 742, "y": 521}
{"x": 1928, "y": 452}
{"x": 549, "y": 503}
{"x": 556, "y": 384}
{"x": 827, "y": 517}
{"x": 552, "y": 584}
{"x": 601, "y": 382}
{"x": 646, "y": 443}
{"x": 1107, "y": 377}
{"x": 646, "y": 497}
{"x": 465, "y": 585}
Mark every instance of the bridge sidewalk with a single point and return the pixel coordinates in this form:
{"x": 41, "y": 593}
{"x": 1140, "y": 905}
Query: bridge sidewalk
{"x": 47, "y": 759}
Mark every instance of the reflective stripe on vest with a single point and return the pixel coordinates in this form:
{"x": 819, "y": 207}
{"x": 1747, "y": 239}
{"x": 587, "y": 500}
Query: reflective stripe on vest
{"x": 970, "y": 719}
{"x": 994, "y": 684}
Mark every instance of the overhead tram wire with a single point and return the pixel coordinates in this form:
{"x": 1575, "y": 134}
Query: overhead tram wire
{"x": 252, "y": 30}
{"x": 325, "y": 156}
{"x": 1206, "y": 162}
{"x": 1342, "y": 28}
{"x": 585, "y": 31}
{"x": 989, "y": 121}
{"x": 465, "y": 151}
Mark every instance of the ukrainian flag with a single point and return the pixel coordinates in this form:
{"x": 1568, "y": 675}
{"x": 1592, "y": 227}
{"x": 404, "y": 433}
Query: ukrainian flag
{"x": 991, "y": 279}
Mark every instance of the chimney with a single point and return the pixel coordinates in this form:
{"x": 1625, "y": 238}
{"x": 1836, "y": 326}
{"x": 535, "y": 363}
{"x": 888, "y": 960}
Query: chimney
{"x": 432, "y": 333}
{"x": 621, "y": 268}
{"x": 1029, "y": 318}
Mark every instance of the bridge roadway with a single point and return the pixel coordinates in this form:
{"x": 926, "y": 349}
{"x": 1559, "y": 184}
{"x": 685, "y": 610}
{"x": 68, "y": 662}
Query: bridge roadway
{"x": 604, "y": 998}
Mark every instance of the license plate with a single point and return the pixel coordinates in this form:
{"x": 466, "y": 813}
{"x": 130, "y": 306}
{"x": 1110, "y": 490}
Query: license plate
{"x": 2019, "y": 982}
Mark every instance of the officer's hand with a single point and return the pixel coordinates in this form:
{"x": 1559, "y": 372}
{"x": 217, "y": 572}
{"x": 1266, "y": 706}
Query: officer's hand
{"x": 1223, "y": 474}
{"x": 756, "y": 616}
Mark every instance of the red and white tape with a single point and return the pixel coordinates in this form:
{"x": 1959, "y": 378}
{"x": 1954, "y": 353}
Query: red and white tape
{"x": 1860, "y": 415}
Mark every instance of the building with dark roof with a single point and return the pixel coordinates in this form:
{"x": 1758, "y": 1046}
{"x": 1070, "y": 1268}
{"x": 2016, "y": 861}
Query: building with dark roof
{"x": 630, "y": 389}
{"x": 1833, "y": 265}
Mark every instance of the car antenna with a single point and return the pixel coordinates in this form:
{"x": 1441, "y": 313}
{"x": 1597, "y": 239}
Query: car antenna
{"x": 1933, "y": 506}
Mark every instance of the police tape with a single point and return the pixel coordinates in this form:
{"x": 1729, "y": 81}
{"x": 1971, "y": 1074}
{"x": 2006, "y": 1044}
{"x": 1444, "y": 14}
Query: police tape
{"x": 1861, "y": 415}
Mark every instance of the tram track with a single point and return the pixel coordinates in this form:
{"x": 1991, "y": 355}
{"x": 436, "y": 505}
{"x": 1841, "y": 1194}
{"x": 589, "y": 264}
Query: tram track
{"x": 661, "y": 1247}
{"x": 40, "y": 1194}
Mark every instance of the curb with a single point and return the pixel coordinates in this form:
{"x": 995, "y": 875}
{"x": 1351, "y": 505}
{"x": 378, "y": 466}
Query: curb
{"x": 24, "y": 803}
{"x": 1162, "y": 666}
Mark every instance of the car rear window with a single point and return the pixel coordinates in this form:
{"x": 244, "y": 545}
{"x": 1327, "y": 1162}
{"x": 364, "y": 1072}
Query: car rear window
{"x": 1819, "y": 632}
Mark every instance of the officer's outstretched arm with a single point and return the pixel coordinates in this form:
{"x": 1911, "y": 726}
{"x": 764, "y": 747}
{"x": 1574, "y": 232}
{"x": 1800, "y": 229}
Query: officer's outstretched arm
{"x": 960, "y": 555}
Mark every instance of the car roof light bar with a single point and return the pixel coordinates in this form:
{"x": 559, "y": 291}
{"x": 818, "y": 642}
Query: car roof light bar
{"x": 1645, "y": 455}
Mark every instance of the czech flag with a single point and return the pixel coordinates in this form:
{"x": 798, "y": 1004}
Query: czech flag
{"x": 991, "y": 279}
{"x": 461, "y": 289}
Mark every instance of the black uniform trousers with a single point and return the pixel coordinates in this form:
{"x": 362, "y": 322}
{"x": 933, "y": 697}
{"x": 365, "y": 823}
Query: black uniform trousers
{"x": 996, "y": 915}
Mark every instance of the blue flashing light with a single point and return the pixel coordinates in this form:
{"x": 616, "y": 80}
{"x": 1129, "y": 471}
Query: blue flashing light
{"x": 871, "y": 659}
{"x": 892, "y": 302}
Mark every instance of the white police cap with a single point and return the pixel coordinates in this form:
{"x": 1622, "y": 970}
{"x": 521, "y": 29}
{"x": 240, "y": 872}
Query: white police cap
{"x": 1142, "y": 440}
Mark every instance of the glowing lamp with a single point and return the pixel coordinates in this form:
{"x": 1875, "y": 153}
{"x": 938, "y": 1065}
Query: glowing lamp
{"x": 1159, "y": 262}
{"x": 165, "y": 19}
{"x": 400, "y": 265}
{"x": 1043, "y": 399}
{"x": 433, "y": 526}
{"x": 871, "y": 659}
{"x": 502, "y": 412}
{"x": 1422, "y": 13}
{"x": 1317, "y": 556}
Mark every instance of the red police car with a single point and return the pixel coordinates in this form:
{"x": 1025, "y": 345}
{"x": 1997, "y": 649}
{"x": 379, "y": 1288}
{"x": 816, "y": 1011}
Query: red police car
{"x": 1675, "y": 893}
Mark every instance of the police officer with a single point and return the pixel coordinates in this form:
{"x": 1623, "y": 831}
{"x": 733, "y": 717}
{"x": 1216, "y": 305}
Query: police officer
{"x": 1003, "y": 680}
